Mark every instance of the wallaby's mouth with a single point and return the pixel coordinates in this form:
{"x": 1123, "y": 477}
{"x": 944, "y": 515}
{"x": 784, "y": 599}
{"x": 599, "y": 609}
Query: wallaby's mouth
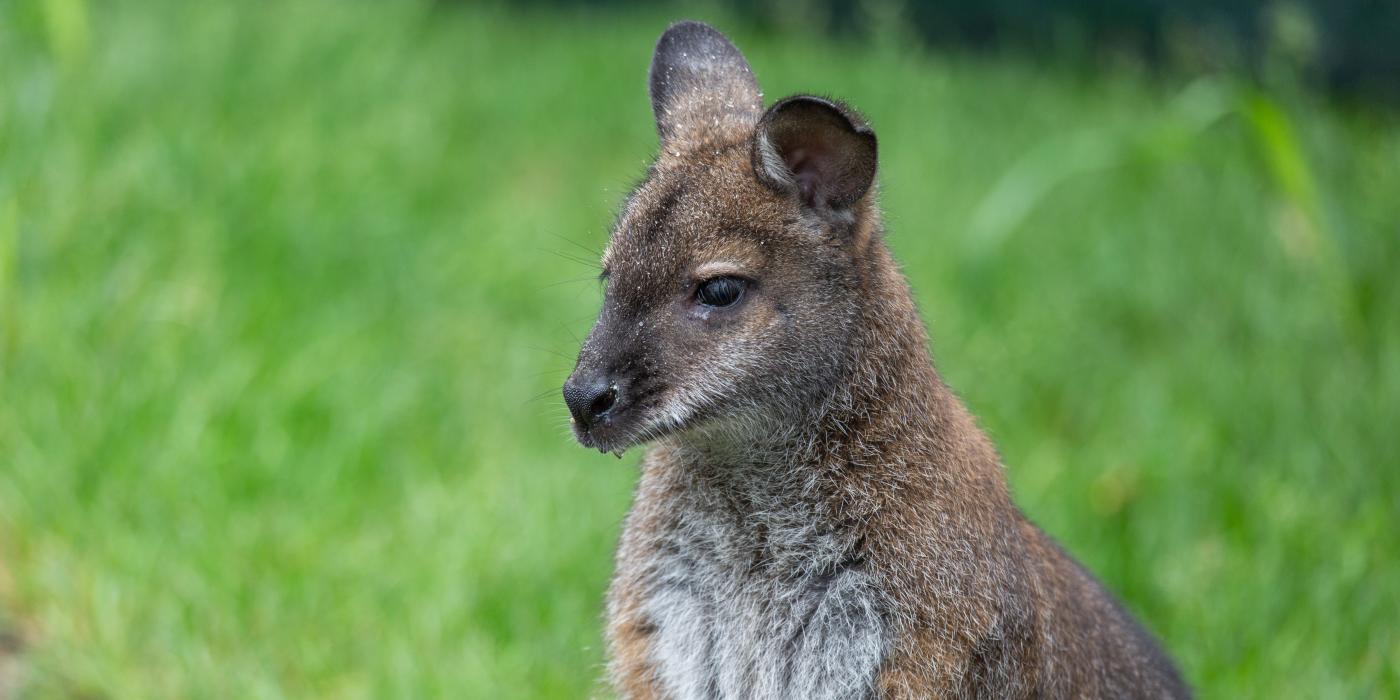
{"x": 613, "y": 433}
{"x": 601, "y": 438}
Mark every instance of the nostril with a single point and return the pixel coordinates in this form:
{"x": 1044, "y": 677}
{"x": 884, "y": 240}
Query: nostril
{"x": 603, "y": 402}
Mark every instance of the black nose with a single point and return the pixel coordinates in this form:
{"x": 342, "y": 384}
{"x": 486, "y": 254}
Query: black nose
{"x": 589, "y": 398}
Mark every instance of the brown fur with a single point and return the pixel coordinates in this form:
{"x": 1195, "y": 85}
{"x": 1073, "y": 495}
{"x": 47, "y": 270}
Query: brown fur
{"x": 832, "y": 450}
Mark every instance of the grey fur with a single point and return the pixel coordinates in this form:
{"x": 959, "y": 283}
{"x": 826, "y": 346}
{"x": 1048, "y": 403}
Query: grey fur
{"x": 809, "y": 626}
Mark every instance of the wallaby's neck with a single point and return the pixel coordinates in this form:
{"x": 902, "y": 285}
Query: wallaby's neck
{"x": 890, "y": 400}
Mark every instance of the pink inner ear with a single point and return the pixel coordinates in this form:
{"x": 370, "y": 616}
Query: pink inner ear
{"x": 804, "y": 173}
{"x": 805, "y": 163}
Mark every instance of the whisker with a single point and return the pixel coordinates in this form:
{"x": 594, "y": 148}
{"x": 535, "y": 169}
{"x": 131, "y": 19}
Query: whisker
{"x": 555, "y": 353}
{"x": 540, "y": 396}
{"x": 574, "y": 280}
{"x": 573, "y": 258}
{"x": 572, "y": 334}
{"x": 580, "y": 246}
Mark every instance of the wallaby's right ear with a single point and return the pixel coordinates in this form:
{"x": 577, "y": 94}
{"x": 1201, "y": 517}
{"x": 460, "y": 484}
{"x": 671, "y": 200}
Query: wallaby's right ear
{"x": 814, "y": 148}
{"x": 701, "y": 85}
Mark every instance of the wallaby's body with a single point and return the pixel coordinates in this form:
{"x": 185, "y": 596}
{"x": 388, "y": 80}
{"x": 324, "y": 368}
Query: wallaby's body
{"x": 818, "y": 516}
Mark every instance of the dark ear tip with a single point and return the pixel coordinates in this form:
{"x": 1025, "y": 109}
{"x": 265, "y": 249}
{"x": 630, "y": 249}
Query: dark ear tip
{"x": 695, "y": 36}
{"x": 687, "y": 27}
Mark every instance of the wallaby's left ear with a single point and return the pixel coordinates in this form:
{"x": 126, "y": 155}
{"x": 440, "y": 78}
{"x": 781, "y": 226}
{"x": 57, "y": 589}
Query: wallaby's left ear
{"x": 815, "y": 148}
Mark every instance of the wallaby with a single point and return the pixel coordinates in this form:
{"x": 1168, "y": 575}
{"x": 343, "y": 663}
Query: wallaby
{"x": 818, "y": 515}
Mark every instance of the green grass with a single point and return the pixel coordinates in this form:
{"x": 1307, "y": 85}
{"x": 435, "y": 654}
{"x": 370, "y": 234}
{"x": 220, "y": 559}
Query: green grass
{"x": 286, "y": 292}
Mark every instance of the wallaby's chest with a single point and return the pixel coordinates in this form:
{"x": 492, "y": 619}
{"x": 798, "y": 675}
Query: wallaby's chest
{"x": 800, "y": 620}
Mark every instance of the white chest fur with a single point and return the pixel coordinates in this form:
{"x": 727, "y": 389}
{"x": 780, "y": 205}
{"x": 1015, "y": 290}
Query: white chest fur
{"x": 799, "y": 621}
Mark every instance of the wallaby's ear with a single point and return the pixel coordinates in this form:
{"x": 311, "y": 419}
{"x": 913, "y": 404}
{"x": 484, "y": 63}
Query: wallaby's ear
{"x": 700, "y": 84}
{"x": 815, "y": 148}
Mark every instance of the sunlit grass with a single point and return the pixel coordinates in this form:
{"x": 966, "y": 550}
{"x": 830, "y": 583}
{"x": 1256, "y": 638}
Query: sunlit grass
{"x": 286, "y": 292}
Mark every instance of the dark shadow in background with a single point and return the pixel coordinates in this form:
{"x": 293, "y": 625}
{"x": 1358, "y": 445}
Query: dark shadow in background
{"x": 1346, "y": 48}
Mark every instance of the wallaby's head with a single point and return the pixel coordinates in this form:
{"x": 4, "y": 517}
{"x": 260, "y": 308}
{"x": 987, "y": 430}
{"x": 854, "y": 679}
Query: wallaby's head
{"x": 733, "y": 275}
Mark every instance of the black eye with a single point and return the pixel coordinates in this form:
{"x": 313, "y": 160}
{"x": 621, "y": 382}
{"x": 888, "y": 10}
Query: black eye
{"x": 720, "y": 291}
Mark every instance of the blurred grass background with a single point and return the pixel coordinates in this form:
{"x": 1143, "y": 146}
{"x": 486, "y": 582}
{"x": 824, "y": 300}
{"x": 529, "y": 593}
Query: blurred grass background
{"x": 287, "y": 291}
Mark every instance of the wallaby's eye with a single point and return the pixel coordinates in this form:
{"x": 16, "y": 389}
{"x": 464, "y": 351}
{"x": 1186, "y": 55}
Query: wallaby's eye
{"x": 720, "y": 291}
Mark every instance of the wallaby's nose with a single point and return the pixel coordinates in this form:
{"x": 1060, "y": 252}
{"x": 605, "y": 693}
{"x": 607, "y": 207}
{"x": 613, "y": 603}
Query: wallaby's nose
{"x": 589, "y": 398}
